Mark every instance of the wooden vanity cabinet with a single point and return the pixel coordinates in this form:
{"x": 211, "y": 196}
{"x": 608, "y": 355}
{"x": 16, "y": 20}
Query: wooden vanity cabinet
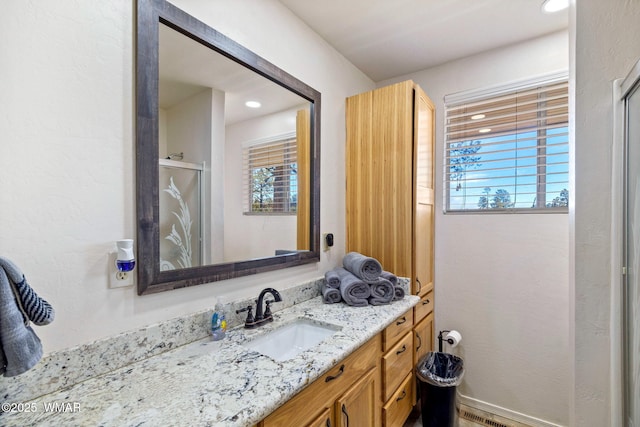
{"x": 390, "y": 180}
{"x": 350, "y": 389}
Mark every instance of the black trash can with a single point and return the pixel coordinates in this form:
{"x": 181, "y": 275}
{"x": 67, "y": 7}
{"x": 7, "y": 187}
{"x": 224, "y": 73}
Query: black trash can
{"x": 439, "y": 374}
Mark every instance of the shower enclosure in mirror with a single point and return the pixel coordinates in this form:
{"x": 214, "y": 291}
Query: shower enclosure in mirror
{"x": 182, "y": 212}
{"x": 227, "y": 158}
{"x": 631, "y": 283}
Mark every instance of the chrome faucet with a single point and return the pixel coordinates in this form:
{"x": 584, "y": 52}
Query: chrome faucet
{"x": 260, "y": 317}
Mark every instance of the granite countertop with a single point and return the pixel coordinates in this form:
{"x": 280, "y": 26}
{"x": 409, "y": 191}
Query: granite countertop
{"x": 207, "y": 383}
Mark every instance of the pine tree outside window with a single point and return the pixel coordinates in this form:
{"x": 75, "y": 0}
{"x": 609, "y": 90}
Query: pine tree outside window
{"x": 270, "y": 172}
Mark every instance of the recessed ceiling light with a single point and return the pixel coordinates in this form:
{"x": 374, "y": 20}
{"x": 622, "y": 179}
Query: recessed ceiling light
{"x": 478, "y": 117}
{"x": 485, "y": 130}
{"x": 552, "y": 6}
{"x": 253, "y": 104}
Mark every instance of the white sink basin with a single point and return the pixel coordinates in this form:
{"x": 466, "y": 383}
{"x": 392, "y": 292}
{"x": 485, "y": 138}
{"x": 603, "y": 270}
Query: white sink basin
{"x": 287, "y": 341}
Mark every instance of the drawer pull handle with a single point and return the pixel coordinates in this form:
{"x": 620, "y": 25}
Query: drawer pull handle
{"x": 419, "y": 342}
{"x": 404, "y": 394}
{"x": 400, "y": 322}
{"x": 419, "y": 286}
{"x": 328, "y": 422}
{"x": 331, "y": 378}
{"x": 404, "y": 348}
{"x": 425, "y": 302}
{"x": 344, "y": 411}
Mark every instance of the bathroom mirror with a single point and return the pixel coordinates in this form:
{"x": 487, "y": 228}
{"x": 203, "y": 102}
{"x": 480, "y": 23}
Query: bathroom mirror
{"x": 223, "y": 190}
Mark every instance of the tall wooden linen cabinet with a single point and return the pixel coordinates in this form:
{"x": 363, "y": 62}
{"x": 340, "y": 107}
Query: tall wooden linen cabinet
{"x": 390, "y": 199}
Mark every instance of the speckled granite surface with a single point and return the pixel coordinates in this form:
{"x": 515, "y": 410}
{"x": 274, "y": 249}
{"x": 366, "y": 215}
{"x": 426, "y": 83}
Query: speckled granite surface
{"x": 205, "y": 382}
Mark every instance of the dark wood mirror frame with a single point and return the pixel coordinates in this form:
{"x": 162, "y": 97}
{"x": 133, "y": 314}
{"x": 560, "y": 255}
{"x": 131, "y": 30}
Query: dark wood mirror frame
{"x": 150, "y": 13}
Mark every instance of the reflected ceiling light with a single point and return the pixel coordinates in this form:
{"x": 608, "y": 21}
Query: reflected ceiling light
{"x": 552, "y": 6}
{"x": 478, "y": 117}
{"x": 485, "y": 130}
{"x": 253, "y": 104}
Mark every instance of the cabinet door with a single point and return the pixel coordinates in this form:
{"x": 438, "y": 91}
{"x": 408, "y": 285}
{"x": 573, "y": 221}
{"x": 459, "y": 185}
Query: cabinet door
{"x": 323, "y": 420}
{"x": 357, "y": 407}
{"x": 423, "y": 185}
{"x": 423, "y": 338}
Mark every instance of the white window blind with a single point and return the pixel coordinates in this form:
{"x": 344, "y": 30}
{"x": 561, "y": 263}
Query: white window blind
{"x": 270, "y": 173}
{"x": 507, "y": 149}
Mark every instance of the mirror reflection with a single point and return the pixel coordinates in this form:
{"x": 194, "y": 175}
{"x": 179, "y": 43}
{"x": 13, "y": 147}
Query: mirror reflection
{"x": 233, "y": 159}
{"x": 222, "y": 190}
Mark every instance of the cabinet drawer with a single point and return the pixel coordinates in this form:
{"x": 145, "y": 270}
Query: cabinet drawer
{"x": 396, "y": 364}
{"x": 397, "y": 409}
{"x": 397, "y": 329}
{"x": 325, "y": 390}
{"x": 424, "y": 307}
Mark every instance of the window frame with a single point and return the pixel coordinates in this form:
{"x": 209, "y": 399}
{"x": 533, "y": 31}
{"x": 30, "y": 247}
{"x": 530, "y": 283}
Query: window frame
{"x": 476, "y": 95}
{"x": 289, "y": 138}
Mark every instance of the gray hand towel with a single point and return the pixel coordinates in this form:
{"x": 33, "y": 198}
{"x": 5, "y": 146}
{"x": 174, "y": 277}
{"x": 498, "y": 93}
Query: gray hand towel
{"x": 390, "y": 277}
{"x": 382, "y": 292}
{"x": 20, "y": 347}
{"x": 332, "y": 279}
{"x": 366, "y": 268}
{"x": 398, "y": 293}
{"x": 353, "y": 290}
{"x": 330, "y": 295}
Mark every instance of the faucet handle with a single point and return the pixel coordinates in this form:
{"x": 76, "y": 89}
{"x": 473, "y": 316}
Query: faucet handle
{"x": 249, "y": 310}
{"x": 267, "y": 312}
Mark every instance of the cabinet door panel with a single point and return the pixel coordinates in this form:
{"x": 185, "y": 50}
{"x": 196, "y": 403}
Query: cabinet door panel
{"x": 424, "y": 307}
{"x": 396, "y": 364}
{"x": 357, "y": 407}
{"x": 396, "y": 330}
{"x": 323, "y": 420}
{"x": 423, "y": 338}
{"x": 397, "y": 409}
{"x": 423, "y": 185}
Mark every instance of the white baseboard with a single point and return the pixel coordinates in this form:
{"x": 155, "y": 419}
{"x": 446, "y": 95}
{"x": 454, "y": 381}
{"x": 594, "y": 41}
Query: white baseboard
{"x": 504, "y": 412}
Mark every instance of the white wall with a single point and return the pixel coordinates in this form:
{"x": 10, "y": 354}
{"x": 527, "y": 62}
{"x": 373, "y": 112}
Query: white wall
{"x": 67, "y": 159}
{"x": 502, "y": 280}
{"x": 607, "y": 45}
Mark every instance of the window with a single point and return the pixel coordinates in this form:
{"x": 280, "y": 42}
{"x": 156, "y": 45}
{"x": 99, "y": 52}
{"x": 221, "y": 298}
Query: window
{"x": 507, "y": 149}
{"x": 271, "y": 175}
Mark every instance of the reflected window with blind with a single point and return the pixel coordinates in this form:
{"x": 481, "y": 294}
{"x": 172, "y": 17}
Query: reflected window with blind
{"x": 507, "y": 148}
{"x": 271, "y": 173}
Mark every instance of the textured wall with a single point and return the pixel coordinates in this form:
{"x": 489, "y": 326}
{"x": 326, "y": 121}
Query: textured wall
{"x": 607, "y": 44}
{"x": 67, "y": 163}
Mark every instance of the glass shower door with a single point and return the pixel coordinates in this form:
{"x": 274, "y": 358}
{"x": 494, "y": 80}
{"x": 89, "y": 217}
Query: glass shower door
{"x": 631, "y": 294}
{"x": 180, "y": 201}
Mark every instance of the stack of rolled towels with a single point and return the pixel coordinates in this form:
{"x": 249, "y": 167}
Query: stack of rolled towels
{"x": 359, "y": 282}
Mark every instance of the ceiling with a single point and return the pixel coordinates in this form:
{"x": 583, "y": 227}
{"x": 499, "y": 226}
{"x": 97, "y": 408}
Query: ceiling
{"x": 390, "y": 38}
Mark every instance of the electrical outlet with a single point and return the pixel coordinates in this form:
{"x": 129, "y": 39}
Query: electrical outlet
{"x": 118, "y": 279}
{"x": 327, "y": 241}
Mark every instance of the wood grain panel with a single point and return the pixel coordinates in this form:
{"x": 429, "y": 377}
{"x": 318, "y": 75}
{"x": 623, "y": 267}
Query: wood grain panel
{"x": 303, "y": 145}
{"x": 424, "y": 307}
{"x": 307, "y": 405}
{"x": 424, "y": 218}
{"x": 396, "y": 364}
{"x": 396, "y": 330}
{"x": 357, "y": 406}
{"x": 379, "y": 155}
{"x": 422, "y": 338}
{"x": 398, "y": 408}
